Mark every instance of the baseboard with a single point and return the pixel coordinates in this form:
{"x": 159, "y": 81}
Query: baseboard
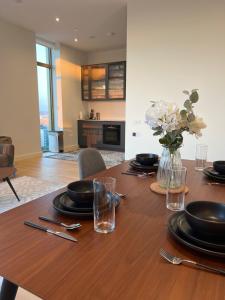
{"x": 70, "y": 148}
{"x": 28, "y": 155}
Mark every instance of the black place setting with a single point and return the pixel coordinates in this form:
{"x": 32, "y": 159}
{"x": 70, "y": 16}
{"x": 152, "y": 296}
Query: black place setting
{"x": 78, "y": 200}
{"x": 144, "y": 162}
{"x": 216, "y": 172}
{"x": 201, "y": 227}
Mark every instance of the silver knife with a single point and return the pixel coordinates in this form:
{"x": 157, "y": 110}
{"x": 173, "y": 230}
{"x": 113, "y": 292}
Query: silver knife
{"x": 46, "y": 229}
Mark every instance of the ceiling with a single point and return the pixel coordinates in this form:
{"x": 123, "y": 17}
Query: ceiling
{"x": 97, "y": 24}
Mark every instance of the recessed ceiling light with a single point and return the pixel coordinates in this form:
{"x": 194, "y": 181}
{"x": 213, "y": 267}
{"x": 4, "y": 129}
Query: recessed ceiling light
{"x": 76, "y": 40}
{"x": 57, "y": 19}
{"x": 110, "y": 33}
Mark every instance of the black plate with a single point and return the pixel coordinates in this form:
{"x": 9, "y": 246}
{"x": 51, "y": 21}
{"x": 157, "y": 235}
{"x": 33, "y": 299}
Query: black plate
{"x": 59, "y": 207}
{"x": 173, "y": 229}
{"x": 189, "y": 233}
{"x": 137, "y": 166}
{"x": 212, "y": 174}
{"x": 71, "y": 205}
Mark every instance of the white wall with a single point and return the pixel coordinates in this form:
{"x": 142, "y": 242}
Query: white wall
{"x": 98, "y": 57}
{"x": 19, "y": 115}
{"x": 114, "y": 110}
{"x": 70, "y": 65}
{"x": 172, "y": 46}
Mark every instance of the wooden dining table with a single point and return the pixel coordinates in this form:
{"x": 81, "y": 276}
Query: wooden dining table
{"x": 124, "y": 264}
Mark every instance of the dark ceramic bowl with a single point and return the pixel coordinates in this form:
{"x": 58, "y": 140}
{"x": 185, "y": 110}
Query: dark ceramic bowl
{"x": 219, "y": 166}
{"x": 206, "y": 218}
{"x": 147, "y": 159}
{"x": 82, "y": 192}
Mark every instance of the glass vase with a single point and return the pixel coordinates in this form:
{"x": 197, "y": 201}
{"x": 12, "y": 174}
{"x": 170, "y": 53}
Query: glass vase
{"x": 168, "y": 161}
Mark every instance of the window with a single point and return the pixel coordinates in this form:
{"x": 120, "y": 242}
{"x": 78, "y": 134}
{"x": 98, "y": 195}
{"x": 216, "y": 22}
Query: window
{"x": 45, "y": 92}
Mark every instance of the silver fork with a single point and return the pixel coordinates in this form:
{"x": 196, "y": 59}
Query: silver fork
{"x": 177, "y": 261}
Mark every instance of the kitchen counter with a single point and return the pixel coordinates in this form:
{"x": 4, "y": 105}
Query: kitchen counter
{"x": 102, "y": 134}
{"x": 102, "y": 120}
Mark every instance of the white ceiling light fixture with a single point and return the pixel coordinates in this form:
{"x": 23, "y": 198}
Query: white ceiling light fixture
{"x": 57, "y": 19}
{"x": 76, "y": 40}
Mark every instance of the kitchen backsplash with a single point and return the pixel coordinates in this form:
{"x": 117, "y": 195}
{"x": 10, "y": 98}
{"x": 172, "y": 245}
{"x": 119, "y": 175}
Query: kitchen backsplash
{"x": 114, "y": 110}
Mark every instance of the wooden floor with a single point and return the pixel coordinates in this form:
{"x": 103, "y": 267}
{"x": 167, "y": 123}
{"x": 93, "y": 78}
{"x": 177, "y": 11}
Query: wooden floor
{"x": 46, "y": 169}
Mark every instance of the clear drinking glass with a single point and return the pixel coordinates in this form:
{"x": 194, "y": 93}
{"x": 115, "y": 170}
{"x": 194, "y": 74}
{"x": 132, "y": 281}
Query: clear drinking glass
{"x": 201, "y": 156}
{"x": 104, "y": 204}
{"x": 175, "y": 196}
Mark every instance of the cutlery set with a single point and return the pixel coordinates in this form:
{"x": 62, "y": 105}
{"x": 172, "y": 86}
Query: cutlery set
{"x": 46, "y": 229}
{"x": 57, "y": 233}
{"x": 139, "y": 174}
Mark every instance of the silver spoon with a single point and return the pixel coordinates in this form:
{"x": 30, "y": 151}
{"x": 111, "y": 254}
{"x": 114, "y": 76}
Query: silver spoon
{"x": 68, "y": 227}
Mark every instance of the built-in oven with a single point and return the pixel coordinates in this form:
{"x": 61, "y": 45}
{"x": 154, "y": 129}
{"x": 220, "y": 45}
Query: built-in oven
{"x": 111, "y": 134}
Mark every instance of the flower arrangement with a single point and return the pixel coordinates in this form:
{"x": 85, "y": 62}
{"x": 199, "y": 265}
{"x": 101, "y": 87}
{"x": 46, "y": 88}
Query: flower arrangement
{"x": 169, "y": 122}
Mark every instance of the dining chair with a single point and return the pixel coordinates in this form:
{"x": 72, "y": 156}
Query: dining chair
{"x": 90, "y": 162}
{"x": 6, "y": 164}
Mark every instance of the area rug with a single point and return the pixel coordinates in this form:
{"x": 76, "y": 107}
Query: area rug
{"x": 27, "y": 188}
{"x": 111, "y": 158}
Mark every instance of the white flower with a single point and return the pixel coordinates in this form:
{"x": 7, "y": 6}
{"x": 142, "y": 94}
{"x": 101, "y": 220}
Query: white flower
{"x": 163, "y": 114}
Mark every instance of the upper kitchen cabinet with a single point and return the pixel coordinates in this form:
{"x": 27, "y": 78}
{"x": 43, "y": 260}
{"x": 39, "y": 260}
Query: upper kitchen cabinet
{"x": 85, "y": 89}
{"x": 104, "y": 81}
{"x": 98, "y": 80}
{"x": 116, "y": 80}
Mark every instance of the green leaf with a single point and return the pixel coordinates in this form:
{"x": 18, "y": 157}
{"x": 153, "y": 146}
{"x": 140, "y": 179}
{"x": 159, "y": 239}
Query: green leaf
{"x": 183, "y": 114}
{"x": 186, "y": 92}
{"x": 194, "y": 97}
{"x": 187, "y": 104}
{"x": 163, "y": 140}
{"x": 157, "y": 132}
{"x": 157, "y": 128}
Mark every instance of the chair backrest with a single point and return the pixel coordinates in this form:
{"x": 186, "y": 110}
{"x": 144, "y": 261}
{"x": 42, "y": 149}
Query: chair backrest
{"x": 5, "y": 140}
{"x": 6, "y": 155}
{"x": 90, "y": 162}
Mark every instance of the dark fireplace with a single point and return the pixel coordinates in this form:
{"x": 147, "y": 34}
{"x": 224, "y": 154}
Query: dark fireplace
{"x": 111, "y": 134}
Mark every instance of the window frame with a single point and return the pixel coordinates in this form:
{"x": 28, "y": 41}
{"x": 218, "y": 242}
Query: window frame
{"x": 51, "y": 99}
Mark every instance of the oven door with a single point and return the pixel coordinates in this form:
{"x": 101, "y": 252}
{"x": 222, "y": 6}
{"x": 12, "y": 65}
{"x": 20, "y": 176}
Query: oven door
{"x": 111, "y": 134}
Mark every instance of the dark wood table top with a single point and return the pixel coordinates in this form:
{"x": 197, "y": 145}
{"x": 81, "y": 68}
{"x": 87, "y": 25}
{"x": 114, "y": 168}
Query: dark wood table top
{"x": 122, "y": 265}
